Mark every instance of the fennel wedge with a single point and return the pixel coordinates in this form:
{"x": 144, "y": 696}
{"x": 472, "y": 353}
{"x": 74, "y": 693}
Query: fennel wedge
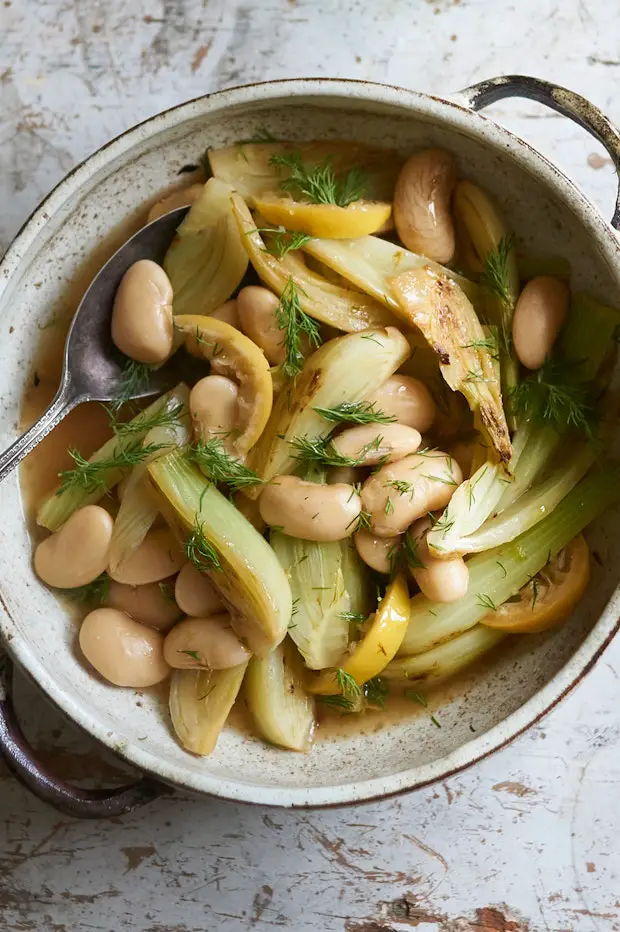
{"x": 448, "y": 320}
{"x": 437, "y": 664}
{"x": 237, "y": 559}
{"x": 200, "y": 701}
{"x": 497, "y": 575}
{"x": 207, "y": 258}
{"x": 328, "y": 584}
{"x": 274, "y": 688}
{"x": 339, "y": 307}
{"x": 369, "y": 262}
{"x": 110, "y": 463}
{"x": 345, "y": 369}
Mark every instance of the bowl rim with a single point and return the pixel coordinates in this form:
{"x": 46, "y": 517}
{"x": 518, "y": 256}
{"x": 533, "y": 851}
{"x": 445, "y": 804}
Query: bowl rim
{"x": 455, "y": 115}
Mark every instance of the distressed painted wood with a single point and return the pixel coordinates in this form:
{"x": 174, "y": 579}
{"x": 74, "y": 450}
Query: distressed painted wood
{"x": 528, "y": 839}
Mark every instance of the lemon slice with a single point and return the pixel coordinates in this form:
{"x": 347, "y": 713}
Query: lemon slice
{"x": 232, "y": 354}
{"x": 327, "y": 221}
{"x": 549, "y": 597}
{"x": 378, "y": 646}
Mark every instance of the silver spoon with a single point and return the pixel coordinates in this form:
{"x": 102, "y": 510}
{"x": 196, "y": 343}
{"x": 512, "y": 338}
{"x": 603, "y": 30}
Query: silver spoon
{"x": 92, "y": 366}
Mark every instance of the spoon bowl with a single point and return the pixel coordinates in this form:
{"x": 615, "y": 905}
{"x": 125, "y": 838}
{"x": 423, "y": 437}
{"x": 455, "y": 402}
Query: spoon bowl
{"x": 93, "y": 368}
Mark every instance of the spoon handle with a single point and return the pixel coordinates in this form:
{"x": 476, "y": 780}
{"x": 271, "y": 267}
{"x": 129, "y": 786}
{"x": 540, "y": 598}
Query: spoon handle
{"x": 64, "y": 402}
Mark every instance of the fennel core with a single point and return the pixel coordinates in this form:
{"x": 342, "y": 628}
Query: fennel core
{"x": 320, "y": 184}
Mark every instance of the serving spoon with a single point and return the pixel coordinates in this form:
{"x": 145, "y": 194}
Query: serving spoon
{"x": 92, "y": 366}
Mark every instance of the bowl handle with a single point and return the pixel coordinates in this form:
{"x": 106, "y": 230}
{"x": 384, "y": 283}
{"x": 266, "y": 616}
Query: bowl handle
{"x": 74, "y": 801}
{"x": 566, "y": 102}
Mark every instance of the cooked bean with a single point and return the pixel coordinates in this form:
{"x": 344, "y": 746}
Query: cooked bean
{"x": 439, "y": 580}
{"x": 152, "y": 604}
{"x": 257, "y": 310}
{"x": 421, "y": 206}
{"x": 408, "y": 400}
{"x": 204, "y": 643}
{"x": 229, "y": 313}
{"x": 370, "y": 444}
{"x": 309, "y": 510}
{"x": 157, "y": 557}
{"x": 182, "y": 197}
{"x": 123, "y": 651}
{"x": 214, "y": 406}
{"x": 376, "y": 551}
{"x": 538, "y": 318}
{"x": 195, "y": 594}
{"x": 142, "y": 313}
{"x": 78, "y": 552}
{"x": 463, "y": 452}
{"x": 400, "y": 492}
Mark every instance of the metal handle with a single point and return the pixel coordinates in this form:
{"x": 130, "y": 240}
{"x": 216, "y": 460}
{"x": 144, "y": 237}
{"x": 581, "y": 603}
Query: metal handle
{"x": 566, "y": 102}
{"x": 73, "y": 801}
{"x": 64, "y": 402}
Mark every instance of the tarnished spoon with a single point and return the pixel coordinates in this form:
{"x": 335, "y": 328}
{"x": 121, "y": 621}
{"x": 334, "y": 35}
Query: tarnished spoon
{"x": 92, "y": 366}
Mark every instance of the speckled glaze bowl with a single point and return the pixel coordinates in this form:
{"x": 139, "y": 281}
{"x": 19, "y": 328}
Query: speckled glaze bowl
{"x": 490, "y": 707}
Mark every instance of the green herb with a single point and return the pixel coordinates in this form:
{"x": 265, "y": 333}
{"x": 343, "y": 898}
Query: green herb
{"x": 410, "y": 552}
{"x": 441, "y": 479}
{"x": 220, "y": 467}
{"x": 93, "y": 593}
{"x": 555, "y": 394}
{"x": 364, "y": 521}
{"x": 419, "y": 698}
{"x": 489, "y": 344}
{"x": 89, "y": 476}
{"x": 473, "y": 376}
{"x": 283, "y": 241}
{"x": 191, "y": 653}
{"x": 356, "y": 618}
{"x": 485, "y": 601}
{"x": 200, "y": 551}
{"x": 134, "y": 381}
{"x": 389, "y": 507}
{"x": 355, "y": 412}
{"x": 496, "y": 275}
{"x": 167, "y": 590}
{"x": 503, "y": 568}
{"x": 347, "y": 685}
{"x": 339, "y": 702}
{"x": 376, "y": 691}
{"x": 369, "y": 336}
{"x": 402, "y": 487}
{"x": 318, "y": 450}
{"x": 163, "y": 418}
{"x": 320, "y": 184}
{"x": 296, "y": 324}
{"x": 435, "y": 722}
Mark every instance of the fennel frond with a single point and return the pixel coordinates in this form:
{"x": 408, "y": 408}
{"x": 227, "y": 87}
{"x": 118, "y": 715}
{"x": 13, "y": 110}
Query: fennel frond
{"x": 320, "y": 183}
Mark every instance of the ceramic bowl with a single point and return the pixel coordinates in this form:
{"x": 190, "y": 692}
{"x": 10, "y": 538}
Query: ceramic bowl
{"x": 548, "y": 213}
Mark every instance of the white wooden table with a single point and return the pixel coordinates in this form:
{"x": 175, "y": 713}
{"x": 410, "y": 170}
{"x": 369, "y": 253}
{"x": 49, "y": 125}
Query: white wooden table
{"x": 527, "y": 840}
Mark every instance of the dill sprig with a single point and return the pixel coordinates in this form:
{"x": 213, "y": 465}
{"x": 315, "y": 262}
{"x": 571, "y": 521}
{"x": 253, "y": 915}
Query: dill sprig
{"x": 376, "y": 691}
{"x": 283, "y": 241}
{"x": 417, "y": 697}
{"x": 489, "y": 344}
{"x": 485, "y": 601}
{"x": 402, "y": 487}
{"x": 220, "y": 467}
{"x": 355, "y": 618}
{"x": 194, "y": 654}
{"x": 296, "y": 324}
{"x": 555, "y": 394}
{"x": 496, "y": 275}
{"x": 89, "y": 476}
{"x": 134, "y": 381}
{"x": 320, "y": 184}
{"x": 200, "y": 551}
{"x": 355, "y": 412}
{"x": 409, "y": 550}
{"x": 163, "y": 418}
{"x": 93, "y": 593}
{"x": 319, "y": 450}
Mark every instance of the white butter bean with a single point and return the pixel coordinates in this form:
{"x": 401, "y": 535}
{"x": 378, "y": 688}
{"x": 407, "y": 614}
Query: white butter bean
{"x": 214, "y": 406}
{"x": 152, "y": 604}
{"x": 257, "y": 310}
{"x": 123, "y": 651}
{"x": 229, "y": 313}
{"x": 77, "y": 553}
{"x": 400, "y": 492}
{"x": 157, "y": 557}
{"x": 142, "y": 313}
{"x": 421, "y": 206}
{"x": 539, "y": 316}
{"x": 370, "y": 444}
{"x": 439, "y": 580}
{"x": 204, "y": 643}
{"x": 309, "y": 510}
{"x": 376, "y": 551}
{"x": 408, "y": 400}
{"x": 195, "y": 594}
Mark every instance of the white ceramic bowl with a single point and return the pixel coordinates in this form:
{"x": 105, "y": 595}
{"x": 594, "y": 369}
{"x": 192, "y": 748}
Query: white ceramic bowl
{"x": 547, "y": 212}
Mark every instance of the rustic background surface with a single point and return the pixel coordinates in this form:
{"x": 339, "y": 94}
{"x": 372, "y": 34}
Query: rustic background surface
{"x": 527, "y": 840}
